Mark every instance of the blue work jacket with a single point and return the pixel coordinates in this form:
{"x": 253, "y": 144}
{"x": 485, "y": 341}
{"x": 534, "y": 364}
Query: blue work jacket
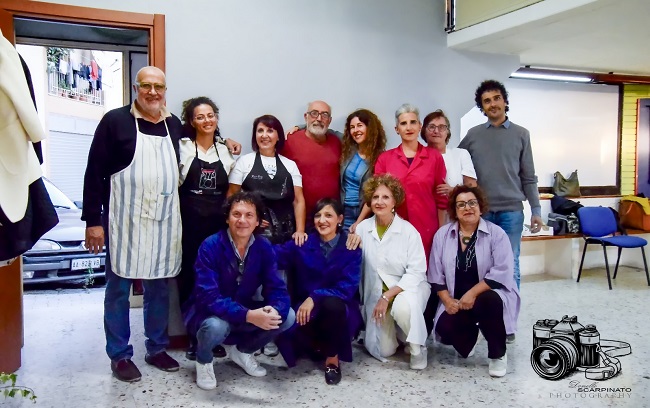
{"x": 223, "y": 291}
{"x": 311, "y": 274}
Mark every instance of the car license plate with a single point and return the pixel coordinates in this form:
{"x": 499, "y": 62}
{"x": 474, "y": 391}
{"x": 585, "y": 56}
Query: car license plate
{"x": 85, "y": 263}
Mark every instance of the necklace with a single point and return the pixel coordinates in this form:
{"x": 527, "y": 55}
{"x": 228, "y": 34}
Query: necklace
{"x": 463, "y": 238}
{"x": 389, "y": 224}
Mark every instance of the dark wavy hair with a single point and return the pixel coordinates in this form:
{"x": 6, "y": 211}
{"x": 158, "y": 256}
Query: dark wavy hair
{"x": 460, "y": 189}
{"x": 272, "y": 122}
{"x": 390, "y": 181}
{"x": 435, "y": 115}
{"x": 188, "y": 115}
{"x": 490, "y": 85}
{"x": 375, "y": 142}
{"x": 248, "y": 197}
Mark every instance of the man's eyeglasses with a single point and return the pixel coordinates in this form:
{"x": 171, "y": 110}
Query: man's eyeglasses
{"x": 462, "y": 204}
{"x": 315, "y": 114}
{"x": 441, "y": 128}
{"x": 201, "y": 118}
{"x": 148, "y": 86}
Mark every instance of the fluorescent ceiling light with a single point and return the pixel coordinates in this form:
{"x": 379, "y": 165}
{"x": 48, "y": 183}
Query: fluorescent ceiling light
{"x": 550, "y": 77}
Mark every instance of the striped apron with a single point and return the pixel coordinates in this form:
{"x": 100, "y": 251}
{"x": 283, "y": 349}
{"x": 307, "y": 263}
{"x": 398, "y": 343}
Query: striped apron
{"x": 144, "y": 222}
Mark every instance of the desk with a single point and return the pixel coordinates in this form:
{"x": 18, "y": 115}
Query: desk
{"x": 560, "y": 255}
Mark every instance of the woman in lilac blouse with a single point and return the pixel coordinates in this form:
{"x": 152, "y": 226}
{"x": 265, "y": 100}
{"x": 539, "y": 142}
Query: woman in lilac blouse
{"x": 471, "y": 269}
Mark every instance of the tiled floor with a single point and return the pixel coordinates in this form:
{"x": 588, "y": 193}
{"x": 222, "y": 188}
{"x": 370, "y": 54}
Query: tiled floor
{"x": 65, "y": 363}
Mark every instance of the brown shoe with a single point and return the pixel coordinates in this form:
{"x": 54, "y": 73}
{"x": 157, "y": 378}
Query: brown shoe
{"x": 162, "y": 361}
{"x": 125, "y": 370}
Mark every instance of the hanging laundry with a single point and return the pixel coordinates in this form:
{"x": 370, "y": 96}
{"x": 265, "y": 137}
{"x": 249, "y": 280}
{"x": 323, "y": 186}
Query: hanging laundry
{"x": 94, "y": 72}
{"x": 63, "y": 66}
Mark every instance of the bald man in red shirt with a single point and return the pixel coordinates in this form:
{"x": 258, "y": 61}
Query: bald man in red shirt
{"x": 317, "y": 154}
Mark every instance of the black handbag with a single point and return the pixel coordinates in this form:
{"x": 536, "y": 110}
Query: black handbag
{"x": 564, "y": 206}
{"x": 566, "y": 187}
{"x": 563, "y": 224}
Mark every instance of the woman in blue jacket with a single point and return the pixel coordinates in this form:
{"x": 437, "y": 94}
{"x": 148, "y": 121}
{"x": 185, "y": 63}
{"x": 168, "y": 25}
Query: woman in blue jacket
{"x": 324, "y": 285}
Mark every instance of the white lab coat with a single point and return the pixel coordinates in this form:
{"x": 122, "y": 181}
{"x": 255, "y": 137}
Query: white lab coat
{"x": 397, "y": 259}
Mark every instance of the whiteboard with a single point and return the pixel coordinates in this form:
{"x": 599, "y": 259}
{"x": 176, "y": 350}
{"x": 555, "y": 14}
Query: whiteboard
{"x": 572, "y": 126}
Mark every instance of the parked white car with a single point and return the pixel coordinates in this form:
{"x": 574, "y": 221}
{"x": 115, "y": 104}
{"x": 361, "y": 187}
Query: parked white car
{"x": 60, "y": 254}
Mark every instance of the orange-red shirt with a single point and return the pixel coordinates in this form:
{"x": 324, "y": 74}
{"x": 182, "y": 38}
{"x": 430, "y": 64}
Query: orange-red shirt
{"x": 419, "y": 180}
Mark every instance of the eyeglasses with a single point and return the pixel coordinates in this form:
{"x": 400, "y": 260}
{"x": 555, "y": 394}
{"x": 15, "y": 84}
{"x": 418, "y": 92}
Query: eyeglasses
{"x": 315, "y": 114}
{"x": 148, "y": 86}
{"x": 441, "y": 128}
{"x": 201, "y": 118}
{"x": 470, "y": 203}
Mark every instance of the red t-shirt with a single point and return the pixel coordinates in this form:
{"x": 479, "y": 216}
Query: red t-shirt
{"x": 319, "y": 165}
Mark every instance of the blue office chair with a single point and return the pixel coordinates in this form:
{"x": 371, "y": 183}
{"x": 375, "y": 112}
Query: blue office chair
{"x": 599, "y": 226}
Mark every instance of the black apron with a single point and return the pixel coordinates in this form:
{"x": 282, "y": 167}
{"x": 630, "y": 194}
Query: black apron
{"x": 278, "y": 195}
{"x": 202, "y": 196}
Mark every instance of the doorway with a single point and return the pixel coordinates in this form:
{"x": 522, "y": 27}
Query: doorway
{"x": 643, "y": 148}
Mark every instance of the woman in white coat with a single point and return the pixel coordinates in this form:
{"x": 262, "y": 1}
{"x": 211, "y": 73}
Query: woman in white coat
{"x": 394, "y": 286}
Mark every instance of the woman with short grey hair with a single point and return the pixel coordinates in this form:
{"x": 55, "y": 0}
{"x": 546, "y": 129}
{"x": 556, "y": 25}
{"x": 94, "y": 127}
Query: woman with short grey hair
{"x": 421, "y": 170}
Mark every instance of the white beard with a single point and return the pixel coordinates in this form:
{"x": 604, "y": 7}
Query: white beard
{"x": 317, "y": 130}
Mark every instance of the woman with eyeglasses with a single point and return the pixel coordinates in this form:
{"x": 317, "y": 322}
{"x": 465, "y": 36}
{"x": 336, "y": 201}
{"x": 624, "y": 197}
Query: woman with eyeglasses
{"x": 364, "y": 140}
{"x": 276, "y": 179}
{"x": 471, "y": 269}
{"x": 324, "y": 278}
{"x": 460, "y": 169}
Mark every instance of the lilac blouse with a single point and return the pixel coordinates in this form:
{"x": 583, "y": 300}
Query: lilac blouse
{"x": 494, "y": 261}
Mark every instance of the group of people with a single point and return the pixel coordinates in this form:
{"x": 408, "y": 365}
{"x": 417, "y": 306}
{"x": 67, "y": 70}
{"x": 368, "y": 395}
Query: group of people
{"x": 308, "y": 233}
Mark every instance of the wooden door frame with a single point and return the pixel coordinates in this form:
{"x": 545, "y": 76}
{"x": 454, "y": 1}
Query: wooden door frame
{"x": 153, "y": 23}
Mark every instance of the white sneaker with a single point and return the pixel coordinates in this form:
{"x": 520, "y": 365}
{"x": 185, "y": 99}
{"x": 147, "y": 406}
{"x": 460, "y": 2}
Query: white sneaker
{"x": 271, "y": 350}
{"x": 498, "y": 366}
{"x": 247, "y": 362}
{"x": 418, "y": 361}
{"x": 205, "y": 379}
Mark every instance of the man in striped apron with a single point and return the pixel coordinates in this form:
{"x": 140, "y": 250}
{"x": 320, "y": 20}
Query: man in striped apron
{"x": 131, "y": 205}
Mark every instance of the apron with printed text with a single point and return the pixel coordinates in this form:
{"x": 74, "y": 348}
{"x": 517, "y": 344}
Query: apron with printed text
{"x": 278, "y": 194}
{"x": 144, "y": 217}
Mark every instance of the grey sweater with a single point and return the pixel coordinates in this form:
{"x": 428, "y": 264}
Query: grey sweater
{"x": 503, "y": 160}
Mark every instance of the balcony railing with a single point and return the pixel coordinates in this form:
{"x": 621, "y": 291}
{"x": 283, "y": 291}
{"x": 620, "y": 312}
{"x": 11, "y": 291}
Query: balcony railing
{"x": 76, "y": 88}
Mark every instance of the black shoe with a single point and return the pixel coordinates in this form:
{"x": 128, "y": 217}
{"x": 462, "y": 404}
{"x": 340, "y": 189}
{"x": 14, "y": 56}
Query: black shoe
{"x": 125, "y": 370}
{"x": 510, "y": 338}
{"x": 162, "y": 361}
{"x": 219, "y": 352}
{"x": 190, "y": 354}
{"x": 332, "y": 374}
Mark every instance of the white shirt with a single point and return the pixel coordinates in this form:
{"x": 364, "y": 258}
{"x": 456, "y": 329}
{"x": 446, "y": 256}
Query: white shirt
{"x": 459, "y": 164}
{"x": 245, "y": 164}
{"x": 187, "y": 152}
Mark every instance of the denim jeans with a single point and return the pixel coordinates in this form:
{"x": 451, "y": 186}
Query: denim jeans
{"x": 512, "y": 222}
{"x": 246, "y": 336}
{"x": 116, "y": 314}
{"x": 350, "y": 215}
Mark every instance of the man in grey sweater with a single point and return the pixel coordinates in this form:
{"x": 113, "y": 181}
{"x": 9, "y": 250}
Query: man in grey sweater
{"x": 503, "y": 160}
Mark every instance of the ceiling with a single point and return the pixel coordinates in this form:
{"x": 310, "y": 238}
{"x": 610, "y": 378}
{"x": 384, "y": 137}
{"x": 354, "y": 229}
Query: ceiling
{"x": 602, "y": 36}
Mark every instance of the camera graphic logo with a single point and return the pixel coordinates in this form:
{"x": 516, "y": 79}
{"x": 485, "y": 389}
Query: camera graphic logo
{"x": 562, "y": 347}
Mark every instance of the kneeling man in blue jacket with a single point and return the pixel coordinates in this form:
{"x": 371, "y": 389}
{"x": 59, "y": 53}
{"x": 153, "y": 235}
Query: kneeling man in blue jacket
{"x": 227, "y": 306}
